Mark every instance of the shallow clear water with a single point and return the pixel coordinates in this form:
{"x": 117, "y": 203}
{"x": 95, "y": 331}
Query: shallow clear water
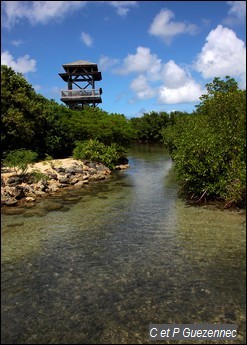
{"x": 97, "y": 265}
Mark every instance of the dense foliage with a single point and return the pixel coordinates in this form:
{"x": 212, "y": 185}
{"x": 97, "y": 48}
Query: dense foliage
{"x": 94, "y": 123}
{"x": 148, "y": 128}
{"x": 110, "y": 155}
{"x": 32, "y": 122}
{"x": 209, "y": 146}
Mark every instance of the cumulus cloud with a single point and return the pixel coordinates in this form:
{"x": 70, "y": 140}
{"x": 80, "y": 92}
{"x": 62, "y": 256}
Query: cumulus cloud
{"x": 174, "y": 75}
{"x": 44, "y": 11}
{"x": 23, "y": 64}
{"x": 17, "y": 43}
{"x": 168, "y": 82}
{"x": 236, "y": 13}
{"x": 177, "y": 85}
{"x": 106, "y": 62}
{"x": 163, "y": 26}
{"x": 141, "y": 87}
{"x": 122, "y": 6}
{"x": 37, "y": 11}
{"x": 222, "y": 54}
{"x": 86, "y": 39}
{"x": 142, "y": 61}
{"x": 189, "y": 92}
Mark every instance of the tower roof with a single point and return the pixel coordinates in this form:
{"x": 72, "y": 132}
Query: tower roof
{"x": 81, "y": 63}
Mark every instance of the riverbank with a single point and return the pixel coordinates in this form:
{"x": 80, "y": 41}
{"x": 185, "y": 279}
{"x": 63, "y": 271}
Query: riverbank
{"x": 49, "y": 177}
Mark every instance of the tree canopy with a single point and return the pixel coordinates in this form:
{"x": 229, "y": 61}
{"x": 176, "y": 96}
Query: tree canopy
{"x": 148, "y": 128}
{"x": 209, "y": 146}
{"x": 32, "y": 122}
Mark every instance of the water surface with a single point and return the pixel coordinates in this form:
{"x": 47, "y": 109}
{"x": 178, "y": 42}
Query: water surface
{"x": 97, "y": 265}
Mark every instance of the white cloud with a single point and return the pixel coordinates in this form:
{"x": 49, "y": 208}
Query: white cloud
{"x": 11, "y": 12}
{"x": 223, "y": 54}
{"x": 140, "y": 112}
{"x": 236, "y": 13}
{"x": 37, "y": 87}
{"x": 173, "y": 75}
{"x": 17, "y": 43}
{"x": 122, "y": 6}
{"x": 178, "y": 86}
{"x": 141, "y": 87}
{"x": 86, "y": 39}
{"x": 43, "y": 11}
{"x": 37, "y": 11}
{"x": 142, "y": 61}
{"x": 23, "y": 64}
{"x": 167, "y": 82}
{"x": 163, "y": 26}
{"x": 189, "y": 92}
{"x": 106, "y": 62}
{"x": 238, "y": 8}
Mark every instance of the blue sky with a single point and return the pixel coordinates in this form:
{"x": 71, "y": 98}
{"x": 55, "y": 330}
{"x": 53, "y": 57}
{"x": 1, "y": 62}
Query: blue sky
{"x": 153, "y": 55}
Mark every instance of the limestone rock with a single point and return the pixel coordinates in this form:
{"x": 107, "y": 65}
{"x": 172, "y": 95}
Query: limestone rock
{"x": 79, "y": 184}
{"x": 30, "y": 199}
{"x": 60, "y": 174}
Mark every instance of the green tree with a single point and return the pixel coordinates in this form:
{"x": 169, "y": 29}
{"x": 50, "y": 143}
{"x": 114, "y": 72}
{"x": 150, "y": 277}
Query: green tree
{"x": 15, "y": 116}
{"x": 32, "y": 122}
{"x": 218, "y": 85}
{"x": 24, "y": 113}
{"x": 209, "y": 147}
{"x": 148, "y": 128}
{"x": 94, "y": 123}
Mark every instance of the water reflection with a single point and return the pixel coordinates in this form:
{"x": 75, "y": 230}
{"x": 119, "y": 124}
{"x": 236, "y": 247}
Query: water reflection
{"x": 125, "y": 253}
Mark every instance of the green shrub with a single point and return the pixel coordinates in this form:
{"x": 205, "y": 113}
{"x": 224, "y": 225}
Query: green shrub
{"x": 96, "y": 151}
{"x": 37, "y": 176}
{"x": 19, "y": 159}
{"x": 48, "y": 158}
{"x": 209, "y": 146}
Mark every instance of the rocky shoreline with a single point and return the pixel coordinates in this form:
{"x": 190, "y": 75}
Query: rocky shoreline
{"x": 48, "y": 178}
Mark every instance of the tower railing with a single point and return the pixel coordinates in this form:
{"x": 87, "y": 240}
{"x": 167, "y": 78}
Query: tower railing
{"x": 81, "y": 93}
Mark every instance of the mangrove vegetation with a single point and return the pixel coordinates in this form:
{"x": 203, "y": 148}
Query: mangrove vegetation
{"x": 208, "y": 146}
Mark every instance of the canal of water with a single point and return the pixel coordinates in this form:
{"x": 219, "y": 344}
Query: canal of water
{"x": 99, "y": 264}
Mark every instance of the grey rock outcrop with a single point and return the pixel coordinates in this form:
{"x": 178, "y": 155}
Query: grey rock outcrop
{"x": 57, "y": 175}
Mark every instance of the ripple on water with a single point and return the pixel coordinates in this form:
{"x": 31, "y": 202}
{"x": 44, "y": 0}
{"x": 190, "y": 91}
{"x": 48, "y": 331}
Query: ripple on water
{"x": 124, "y": 254}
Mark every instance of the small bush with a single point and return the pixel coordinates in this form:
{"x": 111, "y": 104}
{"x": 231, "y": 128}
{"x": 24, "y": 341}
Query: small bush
{"x": 19, "y": 159}
{"x": 37, "y": 176}
{"x": 96, "y": 151}
{"x": 48, "y": 158}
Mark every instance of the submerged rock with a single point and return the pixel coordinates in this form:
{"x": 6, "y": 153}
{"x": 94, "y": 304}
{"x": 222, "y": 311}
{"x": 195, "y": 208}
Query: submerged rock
{"x": 12, "y": 225}
{"x": 52, "y": 206}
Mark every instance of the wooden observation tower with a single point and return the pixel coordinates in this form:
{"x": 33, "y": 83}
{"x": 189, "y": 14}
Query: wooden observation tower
{"x": 81, "y": 71}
